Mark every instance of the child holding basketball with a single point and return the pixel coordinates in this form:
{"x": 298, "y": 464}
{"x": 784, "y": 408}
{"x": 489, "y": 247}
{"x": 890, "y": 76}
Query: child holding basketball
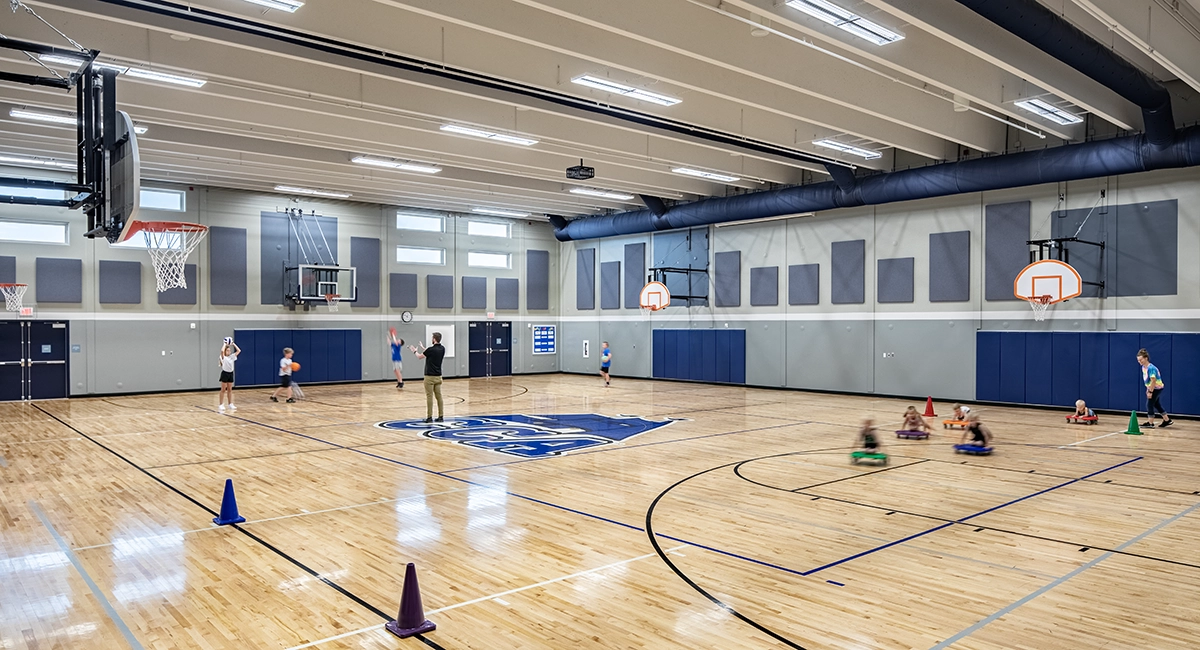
{"x": 285, "y": 377}
{"x": 914, "y": 421}
{"x": 868, "y": 438}
{"x": 980, "y": 436}
{"x": 1082, "y": 410}
{"x": 397, "y": 363}
{"x": 1154, "y": 388}
{"x": 605, "y": 363}
{"x": 229, "y": 355}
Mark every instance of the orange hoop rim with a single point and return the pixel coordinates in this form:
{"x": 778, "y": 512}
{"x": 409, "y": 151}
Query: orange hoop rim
{"x": 6, "y": 285}
{"x": 166, "y": 226}
{"x": 334, "y": 296}
{"x": 1041, "y": 300}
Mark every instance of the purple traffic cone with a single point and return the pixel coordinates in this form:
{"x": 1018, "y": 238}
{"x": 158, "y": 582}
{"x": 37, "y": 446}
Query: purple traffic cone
{"x": 412, "y": 619}
{"x": 229, "y": 511}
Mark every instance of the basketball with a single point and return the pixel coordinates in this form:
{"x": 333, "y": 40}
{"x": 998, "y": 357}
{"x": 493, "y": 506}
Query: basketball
{"x": 606, "y": 358}
{"x": 295, "y": 366}
{"x": 393, "y": 331}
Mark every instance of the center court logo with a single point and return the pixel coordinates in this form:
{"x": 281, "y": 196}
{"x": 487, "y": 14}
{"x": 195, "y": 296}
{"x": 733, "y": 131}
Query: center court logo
{"x": 532, "y": 436}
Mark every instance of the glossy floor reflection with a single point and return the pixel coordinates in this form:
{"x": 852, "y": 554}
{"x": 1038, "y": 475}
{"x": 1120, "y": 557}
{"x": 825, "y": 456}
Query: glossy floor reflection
{"x": 719, "y": 517}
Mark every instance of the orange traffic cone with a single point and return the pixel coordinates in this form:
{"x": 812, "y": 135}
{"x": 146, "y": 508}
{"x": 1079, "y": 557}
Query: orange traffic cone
{"x": 929, "y": 408}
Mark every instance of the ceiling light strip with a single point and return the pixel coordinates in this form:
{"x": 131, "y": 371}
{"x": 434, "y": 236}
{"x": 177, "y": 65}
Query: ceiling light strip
{"x": 400, "y": 165}
{"x": 603, "y": 194}
{"x": 496, "y": 212}
{"x": 710, "y": 176}
{"x": 621, "y": 89}
{"x": 312, "y": 192}
{"x": 847, "y": 21}
{"x": 487, "y": 135}
{"x": 32, "y": 161}
{"x": 289, "y": 6}
{"x": 848, "y": 148}
{"x": 1049, "y": 111}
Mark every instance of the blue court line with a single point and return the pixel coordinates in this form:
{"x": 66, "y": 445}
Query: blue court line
{"x": 99, "y": 595}
{"x": 1003, "y": 612}
{"x": 3, "y": 463}
{"x": 645, "y": 444}
{"x": 967, "y": 518}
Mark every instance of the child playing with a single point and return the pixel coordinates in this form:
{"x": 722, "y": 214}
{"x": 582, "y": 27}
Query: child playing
{"x": 868, "y": 439}
{"x": 605, "y": 363}
{"x": 285, "y": 377}
{"x": 229, "y": 355}
{"x": 397, "y": 362}
{"x": 960, "y": 412}
{"x": 980, "y": 436}
{"x": 913, "y": 421}
{"x": 1154, "y": 388}
{"x": 1082, "y": 410}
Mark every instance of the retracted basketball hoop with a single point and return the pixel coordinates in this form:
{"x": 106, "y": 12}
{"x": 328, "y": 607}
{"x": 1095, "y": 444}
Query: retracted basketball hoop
{"x": 12, "y": 295}
{"x": 654, "y": 296}
{"x": 169, "y": 244}
{"x": 1047, "y": 282}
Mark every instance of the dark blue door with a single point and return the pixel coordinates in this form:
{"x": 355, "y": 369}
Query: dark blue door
{"x": 500, "y": 340}
{"x": 12, "y": 361}
{"x": 48, "y": 371}
{"x": 477, "y": 344}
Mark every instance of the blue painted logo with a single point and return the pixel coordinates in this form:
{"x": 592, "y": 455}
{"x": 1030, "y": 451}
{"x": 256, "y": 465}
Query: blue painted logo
{"x": 532, "y": 436}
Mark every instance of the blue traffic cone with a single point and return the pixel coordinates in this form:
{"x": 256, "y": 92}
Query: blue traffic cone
{"x": 229, "y": 511}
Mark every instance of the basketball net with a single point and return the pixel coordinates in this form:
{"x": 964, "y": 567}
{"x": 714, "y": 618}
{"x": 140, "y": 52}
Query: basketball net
{"x": 170, "y": 244}
{"x": 12, "y": 295}
{"x": 1039, "y": 304}
{"x": 331, "y": 301}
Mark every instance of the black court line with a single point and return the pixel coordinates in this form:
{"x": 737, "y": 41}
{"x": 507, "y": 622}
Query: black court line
{"x": 977, "y": 527}
{"x": 297, "y": 563}
{"x": 1041, "y": 473}
{"x": 524, "y": 390}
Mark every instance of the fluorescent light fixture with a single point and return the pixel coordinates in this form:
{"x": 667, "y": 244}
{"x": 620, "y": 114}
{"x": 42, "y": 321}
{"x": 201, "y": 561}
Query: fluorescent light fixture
{"x": 764, "y": 219}
{"x": 846, "y": 20}
{"x": 152, "y": 75}
{"x": 140, "y": 129}
{"x": 1049, "y": 111}
{"x": 710, "y": 176}
{"x": 38, "y": 116}
{"x": 500, "y": 213}
{"x": 401, "y": 165}
{"x": 628, "y": 91}
{"x": 282, "y": 5}
{"x": 73, "y": 62}
{"x": 29, "y": 161}
{"x": 488, "y": 135}
{"x": 311, "y": 192}
{"x": 603, "y": 194}
{"x": 848, "y": 148}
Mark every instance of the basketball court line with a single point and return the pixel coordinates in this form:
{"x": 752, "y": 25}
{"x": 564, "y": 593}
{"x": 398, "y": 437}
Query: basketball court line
{"x": 497, "y": 597}
{"x": 286, "y": 453}
{"x": 3, "y": 463}
{"x": 87, "y": 579}
{"x": 1006, "y": 610}
{"x": 1091, "y": 439}
{"x": 1049, "y": 475}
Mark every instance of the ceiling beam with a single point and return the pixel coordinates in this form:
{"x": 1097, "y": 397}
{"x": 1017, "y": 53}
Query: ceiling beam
{"x": 1169, "y": 35}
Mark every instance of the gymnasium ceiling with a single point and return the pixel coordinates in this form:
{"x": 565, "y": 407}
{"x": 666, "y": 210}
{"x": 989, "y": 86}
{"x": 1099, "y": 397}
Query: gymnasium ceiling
{"x": 273, "y": 112}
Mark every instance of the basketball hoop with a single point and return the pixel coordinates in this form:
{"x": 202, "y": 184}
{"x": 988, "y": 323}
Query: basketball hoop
{"x": 169, "y": 244}
{"x": 12, "y": 295}
{"x": 331, "y": 301}
{"x": 1039, "y": 304}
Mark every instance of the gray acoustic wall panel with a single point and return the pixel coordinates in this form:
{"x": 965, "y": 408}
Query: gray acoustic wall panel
{"x": 764, "y": 286}
{"x": 1005, "y": 252}
{"x": 1148, "y": 249}
{"x": 58, "y": 280}
{"x": 120, "y": 282}
{"x": 185, "y": 296}
{"x": 508, "y": 294}
{"x": 950, "y": 266}
{"x": 402, "y": 290}
{"x": 610, "y": 285}
{"x": 8, "y": 269}
{"x": 537, "y": 280}
{"x": 848, "y": 274}
{"x": 439, "y": 291}
{"x": 227, "y": 266}
{"x": 474, "y": 292}
{"x": 585, "y": 278}
{"x": 292, "y": 241}
{"x": 804, "y": 284}
{"x": 635, "y": 274}
{"x": 364, "y": 256}
{"x": 727, "y": 279}
{"x": 895, "y": 280}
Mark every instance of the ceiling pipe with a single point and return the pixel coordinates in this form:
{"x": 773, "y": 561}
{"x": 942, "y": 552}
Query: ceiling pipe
{"x": 1160, "y": 147}
{"x": 1039, "y": 26}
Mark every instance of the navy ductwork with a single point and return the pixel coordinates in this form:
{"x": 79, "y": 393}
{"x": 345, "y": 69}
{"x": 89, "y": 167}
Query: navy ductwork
{"x": 1073, "y": 162}
{"x": 1039, "y": 26}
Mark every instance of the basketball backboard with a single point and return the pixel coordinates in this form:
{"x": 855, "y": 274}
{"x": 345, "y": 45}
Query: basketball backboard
{"x": 312, "y": 282}
{"x": 124, "y": 179}
{"x": 654, "y": 296}
{"x": 1058, "y": 280}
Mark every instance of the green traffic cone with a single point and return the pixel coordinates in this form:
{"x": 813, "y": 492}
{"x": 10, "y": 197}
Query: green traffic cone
{"x": 1133, "y": 429}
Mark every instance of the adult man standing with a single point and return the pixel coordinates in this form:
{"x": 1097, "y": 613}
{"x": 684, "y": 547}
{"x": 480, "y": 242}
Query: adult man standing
{"x": 433, "y": 356}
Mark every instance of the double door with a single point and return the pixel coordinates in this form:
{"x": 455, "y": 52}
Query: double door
{"x": 490, "y": 348}
{"x": 34, "y": 360}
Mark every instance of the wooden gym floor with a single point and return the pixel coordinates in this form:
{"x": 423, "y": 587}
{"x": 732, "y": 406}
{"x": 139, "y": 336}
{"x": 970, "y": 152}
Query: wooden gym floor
{"x": 742, "y": 526}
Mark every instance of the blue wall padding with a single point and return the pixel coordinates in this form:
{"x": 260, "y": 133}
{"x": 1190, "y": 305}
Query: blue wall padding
{"x": 1063, "y": 367}
{"x": 987, "y": 366}
{"x": 1099, "y": 367}
{"x": 1039, "y": 388}
{"x": 324, "y": 355}
{"x": 700, "y": 355}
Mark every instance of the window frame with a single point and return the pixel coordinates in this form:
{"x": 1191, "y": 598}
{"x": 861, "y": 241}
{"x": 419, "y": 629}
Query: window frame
{"x": 66, "y": 229}
{"x": 441, "y": 251}
{"x": 163, "y": 190}
{"x": 485, "y": 222}
{"x": 507, "y": 260}
{"x": 440, "y": 219}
